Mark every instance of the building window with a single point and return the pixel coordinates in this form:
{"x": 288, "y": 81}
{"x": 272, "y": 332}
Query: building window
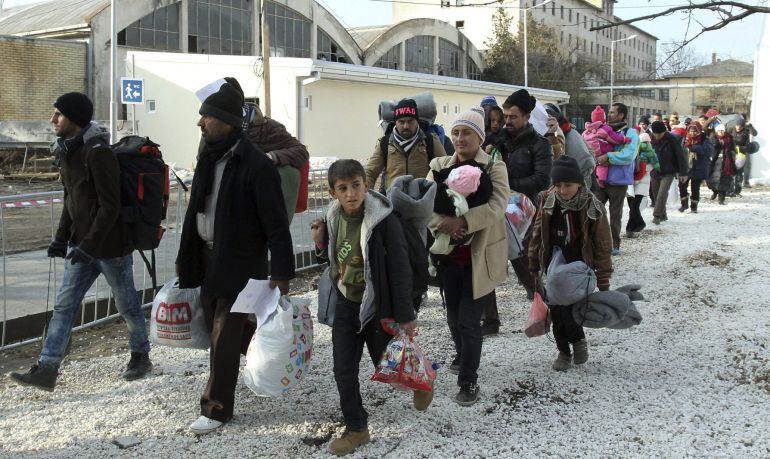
{"x": 329, "y": 50}
{"x": 459, "y": 24}
{"x": 561, "y": 37}
{"x": 584, "y": 45}
{"x": 553, "y": 9}
{"x": 561, "y": 9}
{"x": 570, "y": 15}
{"x": 473, "y": 70}
{"x": 577, "y": 21}
{"x": 645, "y": 93}
{"x": 158, "y": 30}
{"x": 584, "y": 23}
{"x": 663, "y": 94}
{"x": 216, "y": 27}
{"x": 289, "y": 31}
{"x": 449, "y": 63}
{"x": 391, "y": 59}
{"x": 419, "y": 54}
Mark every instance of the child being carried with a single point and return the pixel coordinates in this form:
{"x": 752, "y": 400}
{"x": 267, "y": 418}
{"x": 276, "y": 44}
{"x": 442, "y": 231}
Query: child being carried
{"x": 602, "y": 140}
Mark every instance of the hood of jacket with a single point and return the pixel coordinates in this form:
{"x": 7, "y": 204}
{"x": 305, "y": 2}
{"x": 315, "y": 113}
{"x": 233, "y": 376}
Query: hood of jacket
{"x": 592, "y": 126}
{"x": 413, "y": 199}
{"x": 376, "y": 208}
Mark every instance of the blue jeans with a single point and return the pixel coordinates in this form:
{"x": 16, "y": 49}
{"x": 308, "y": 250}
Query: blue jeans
{"x": 78, "y": 278}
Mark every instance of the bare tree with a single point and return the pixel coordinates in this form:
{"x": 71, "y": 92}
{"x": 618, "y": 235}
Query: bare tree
{"x": 675, "y": 59}
{"x": 727, "y": 12}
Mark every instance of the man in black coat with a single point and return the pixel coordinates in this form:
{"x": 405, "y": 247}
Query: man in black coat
{"x": 90, "y": 238}
{"x": 528, "y": 157}
{"x": 673, "y": 163}
{"x": 236, "y": 213}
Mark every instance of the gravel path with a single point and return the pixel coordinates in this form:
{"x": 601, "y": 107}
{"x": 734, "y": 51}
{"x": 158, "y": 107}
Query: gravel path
{"x": 691, "y": 380}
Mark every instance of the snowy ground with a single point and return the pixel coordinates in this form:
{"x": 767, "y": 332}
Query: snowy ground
{"x": 691, "y": 380}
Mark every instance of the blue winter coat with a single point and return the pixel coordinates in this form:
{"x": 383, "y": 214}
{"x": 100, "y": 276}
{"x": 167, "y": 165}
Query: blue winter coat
{"x": 703, "y": 151}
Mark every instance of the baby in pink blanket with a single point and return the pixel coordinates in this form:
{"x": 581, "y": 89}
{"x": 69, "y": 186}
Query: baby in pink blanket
{"x": 602, "y": 139}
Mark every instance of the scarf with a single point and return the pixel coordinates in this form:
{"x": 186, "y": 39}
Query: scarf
{"x": 691, "y": 138}
{"x": 582, "y": 199}
{"x": 204, "y": 172}
{"x": 406, "y": 144}
{"x": 618, "y": 126}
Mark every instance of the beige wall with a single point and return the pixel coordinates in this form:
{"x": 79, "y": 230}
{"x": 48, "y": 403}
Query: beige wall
{"x": 696, "y": 101}
{"x": 34, "y": 72}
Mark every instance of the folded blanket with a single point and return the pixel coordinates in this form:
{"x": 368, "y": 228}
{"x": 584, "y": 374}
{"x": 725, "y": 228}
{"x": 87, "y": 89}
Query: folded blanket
{"x": 413, "y": 198}
{"x": 611, "y": 309}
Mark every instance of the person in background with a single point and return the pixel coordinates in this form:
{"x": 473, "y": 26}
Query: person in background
{"x": 572, "y": 219}
{"x": 722, "y": 169}
{"x": 700, "y": 150}
{"x": 673, "y": 163}
{"x": 646, "y": 162}
{"x": 644, "y": 124}
{"x": 741, "y": 134}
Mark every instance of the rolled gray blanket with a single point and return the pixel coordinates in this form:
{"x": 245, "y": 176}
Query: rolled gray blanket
{"x": 612, "y": 309}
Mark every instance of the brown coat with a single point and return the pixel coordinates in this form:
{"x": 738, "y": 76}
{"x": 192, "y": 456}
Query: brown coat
{"x": 272, "y": 137}
{"x": 416, "y": 164}
{"x": 596, "y": 247}
{"x": 489, "y": 246}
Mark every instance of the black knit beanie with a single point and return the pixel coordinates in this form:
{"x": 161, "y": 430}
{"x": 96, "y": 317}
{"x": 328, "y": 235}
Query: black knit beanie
{"x": 521, "y": 99}
{"x": 405, "y": 108}
{"x": 225, "y": 104}
{"x": 565, "y": 169}
{"x": 77, "y": 107}
{"x": 657, "y": 127}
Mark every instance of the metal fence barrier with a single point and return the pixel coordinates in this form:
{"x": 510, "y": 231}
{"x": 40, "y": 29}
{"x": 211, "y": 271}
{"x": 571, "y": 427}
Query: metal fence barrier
{"x": 28, "y": 223}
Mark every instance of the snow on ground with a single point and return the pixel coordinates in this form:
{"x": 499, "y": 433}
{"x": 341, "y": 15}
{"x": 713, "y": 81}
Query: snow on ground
{"x": 691, "y": 380}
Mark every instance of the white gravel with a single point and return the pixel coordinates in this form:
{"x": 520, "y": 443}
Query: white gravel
{"x": 691, "y": 380}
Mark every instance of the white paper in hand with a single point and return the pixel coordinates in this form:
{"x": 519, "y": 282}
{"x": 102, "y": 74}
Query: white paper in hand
{"x": 257, "y": 298}
{"x": 538, "y": 118}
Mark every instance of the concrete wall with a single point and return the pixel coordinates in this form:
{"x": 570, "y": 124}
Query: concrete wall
{"x": 34, "y": 72}
{"x": 697, "y": 100}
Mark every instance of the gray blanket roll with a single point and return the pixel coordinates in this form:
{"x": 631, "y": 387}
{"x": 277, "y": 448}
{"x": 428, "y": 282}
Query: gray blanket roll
{"x": 413, "y": 199}
{"x": 611, "y": 309}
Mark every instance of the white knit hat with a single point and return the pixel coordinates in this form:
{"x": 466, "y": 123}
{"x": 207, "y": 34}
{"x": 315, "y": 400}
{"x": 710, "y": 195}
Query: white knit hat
{"x": 474, "y": 119}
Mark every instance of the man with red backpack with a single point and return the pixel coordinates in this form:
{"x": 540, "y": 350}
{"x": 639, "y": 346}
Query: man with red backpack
{"x": 91, "y": 238}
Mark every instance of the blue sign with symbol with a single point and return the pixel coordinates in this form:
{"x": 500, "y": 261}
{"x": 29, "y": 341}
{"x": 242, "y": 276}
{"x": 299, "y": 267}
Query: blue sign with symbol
{"x": 132, "y": 90}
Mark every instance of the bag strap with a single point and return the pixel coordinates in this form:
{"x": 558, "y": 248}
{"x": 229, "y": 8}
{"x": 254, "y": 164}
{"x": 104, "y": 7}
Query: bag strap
{"x": 151, "y": 268}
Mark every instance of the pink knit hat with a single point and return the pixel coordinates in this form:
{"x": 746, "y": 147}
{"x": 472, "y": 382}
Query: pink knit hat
{"x": 464, "y": 180}
{"x": 598, "y": 114}
{"x": 644, "y": 137}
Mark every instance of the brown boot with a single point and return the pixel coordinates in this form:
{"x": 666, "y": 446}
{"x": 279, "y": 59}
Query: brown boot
{"x": 348, "y": 442}
{"x": 421, "y": 399}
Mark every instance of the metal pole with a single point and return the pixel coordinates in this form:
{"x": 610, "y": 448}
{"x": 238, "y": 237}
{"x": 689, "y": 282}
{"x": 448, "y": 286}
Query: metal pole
{"x": 133, "y": 106}
{"x": 5, "y": 286}
{"x": 526, "y": 69}
{"x": 612, "y": 68}
{"x": 266, "y": 59}
{"x": 113, "y": 73}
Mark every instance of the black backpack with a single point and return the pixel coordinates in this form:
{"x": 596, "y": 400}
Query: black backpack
{"x": 385, "y": 139}
{"x": 144, "y": 195}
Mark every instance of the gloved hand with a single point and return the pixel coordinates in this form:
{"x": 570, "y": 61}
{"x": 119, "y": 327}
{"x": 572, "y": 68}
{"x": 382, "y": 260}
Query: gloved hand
{"x": 76, "y": 255}
{"x": 57, "y": 248}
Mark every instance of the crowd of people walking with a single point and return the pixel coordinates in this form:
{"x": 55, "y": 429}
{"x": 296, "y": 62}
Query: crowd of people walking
{"x": 578, "y": 183}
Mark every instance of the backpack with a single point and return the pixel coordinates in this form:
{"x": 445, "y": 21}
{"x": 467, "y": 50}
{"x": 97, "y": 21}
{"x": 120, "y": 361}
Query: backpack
{"x": 418, "y": 261}
{"x": 385, "y": 139}
{"x": 144, "y": 194}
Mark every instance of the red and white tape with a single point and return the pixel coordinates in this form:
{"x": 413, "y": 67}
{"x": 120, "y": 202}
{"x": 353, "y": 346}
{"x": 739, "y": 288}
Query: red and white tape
{"x": 32, "y": 203}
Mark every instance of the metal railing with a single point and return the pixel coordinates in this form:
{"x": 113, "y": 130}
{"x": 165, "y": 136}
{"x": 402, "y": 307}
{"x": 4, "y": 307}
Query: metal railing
{"x": 28, "y": 222}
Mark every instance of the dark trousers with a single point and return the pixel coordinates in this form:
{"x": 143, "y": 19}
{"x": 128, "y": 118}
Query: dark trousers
{"x": 521, "y": 267}
{"x": 635, "y": 219}
{"x": 654, "y": 175}
{"x": 347, "y": 348}
{"x": 231, "y": 334}
{"x": 694, "y": 189}
{"x": 464, "y": 319}
{"x": 565, "y": 330}
{"x": 616, "y": 197}
{"x": 491, "y": 314}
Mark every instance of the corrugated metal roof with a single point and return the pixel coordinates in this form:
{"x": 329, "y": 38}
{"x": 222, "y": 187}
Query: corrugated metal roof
{"x": 56, "y": 14}
{"x": 365, "y": 36}
{"x": 726, "y": 68}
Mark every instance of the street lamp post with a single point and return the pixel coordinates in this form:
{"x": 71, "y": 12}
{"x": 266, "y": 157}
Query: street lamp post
{"x": 113, "y": 72}
{"x": 526, "y": 75}
{"x": 612, "y": 62}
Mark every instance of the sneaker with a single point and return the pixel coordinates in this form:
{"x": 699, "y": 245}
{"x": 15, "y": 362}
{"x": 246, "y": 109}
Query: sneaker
{"x": 616, "y": 251}
{"x": 138, "y": 366}
{"x": 422, "y": 398}
{"x": 40, "y": 376}
{"x": 204, "y": 425}
{"x": 468, "y": 395}
{"x": 348, "y": 442}
{"x": 562, "y": 362}
{"x": 580, "y": 352}
{"x": 490, "y": 328}
{"x": 454, "y": 367}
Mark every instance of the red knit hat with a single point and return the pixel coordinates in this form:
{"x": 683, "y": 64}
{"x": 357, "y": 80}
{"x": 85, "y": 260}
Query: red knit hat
{"x": 598, "y": 114}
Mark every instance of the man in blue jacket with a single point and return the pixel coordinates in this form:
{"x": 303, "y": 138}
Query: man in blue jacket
{"x": 621, "y": 173}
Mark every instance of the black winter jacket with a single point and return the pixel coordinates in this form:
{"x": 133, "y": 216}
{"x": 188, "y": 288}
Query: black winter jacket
{"x": 90, "y": 174}
{"x": 528, "y": 157}
{"x": 671, "y": 155}
{"x": 250, "y": 218}
{"x": 703, "y": 150}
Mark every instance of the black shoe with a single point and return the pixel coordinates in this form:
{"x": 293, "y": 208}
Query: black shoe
{"x": 683, "y": 207}
{"x": 138, "y": 366}
{"x": 40, "y": 376}
{"x": 714, "y": 195}
{"x": 490, "y": 328}
{"x": 468, "y": 395}
{"x": 656, "y": 220}
{"x": 694, "y": 207}
{"x": 454, "y": 367}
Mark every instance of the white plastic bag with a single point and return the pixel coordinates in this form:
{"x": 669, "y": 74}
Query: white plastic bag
{"x": 280, "y": 350}
{"x": 673, "y": 192}
{"x": 177, "y": 318}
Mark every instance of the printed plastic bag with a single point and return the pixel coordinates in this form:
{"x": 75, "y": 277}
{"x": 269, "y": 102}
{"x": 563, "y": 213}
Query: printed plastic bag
{"x": 177, "y": 318}
{"x": 280, "y": 350}
{"x": 538, "y": 321}
{"x": 518, "y": 216}
{"x": 740, "y": 159}
{"x": 403, "y": 364}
